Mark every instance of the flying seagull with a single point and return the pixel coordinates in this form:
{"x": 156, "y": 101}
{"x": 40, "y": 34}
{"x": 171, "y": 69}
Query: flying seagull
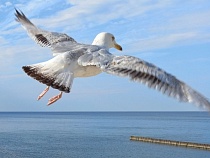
{"x": 74, "y": 60}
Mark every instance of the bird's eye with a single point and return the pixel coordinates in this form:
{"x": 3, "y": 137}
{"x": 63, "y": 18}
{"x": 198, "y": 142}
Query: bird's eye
{"x": 113, "y": 38}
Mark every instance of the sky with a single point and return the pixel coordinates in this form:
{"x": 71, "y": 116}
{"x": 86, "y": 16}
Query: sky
{"x": 172, "y": 34}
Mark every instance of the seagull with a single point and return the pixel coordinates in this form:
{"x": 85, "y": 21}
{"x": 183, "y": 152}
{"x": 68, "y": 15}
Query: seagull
{"x": 72, "y": 60}
{"x": 46, "y": 39}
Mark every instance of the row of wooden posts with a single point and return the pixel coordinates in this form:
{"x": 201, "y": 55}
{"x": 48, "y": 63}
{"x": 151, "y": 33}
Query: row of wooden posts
{"x": 171, "y": 142}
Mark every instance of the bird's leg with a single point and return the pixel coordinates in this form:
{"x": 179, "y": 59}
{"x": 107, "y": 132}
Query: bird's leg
{"x": 55, "y": 98}
{"x": 43, "y": 93}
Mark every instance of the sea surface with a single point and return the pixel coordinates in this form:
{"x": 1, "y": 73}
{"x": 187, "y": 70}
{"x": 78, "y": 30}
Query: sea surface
{"x": 101, "y": 134}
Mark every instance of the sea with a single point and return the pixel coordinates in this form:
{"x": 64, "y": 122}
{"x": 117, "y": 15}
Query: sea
{"x": 101, "y": 134}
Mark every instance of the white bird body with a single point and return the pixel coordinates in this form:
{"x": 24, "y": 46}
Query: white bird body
{"x": 86, "y": 71}
{"x": 79, "y": 71}
{"x": 73, "y": 60}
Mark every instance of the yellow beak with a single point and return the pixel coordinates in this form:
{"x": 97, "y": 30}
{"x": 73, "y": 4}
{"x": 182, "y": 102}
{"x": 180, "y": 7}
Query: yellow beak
{"x": 117, "y": 46}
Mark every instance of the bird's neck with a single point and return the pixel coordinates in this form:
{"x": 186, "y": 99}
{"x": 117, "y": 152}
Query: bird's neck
{"x": 101, "y": 43}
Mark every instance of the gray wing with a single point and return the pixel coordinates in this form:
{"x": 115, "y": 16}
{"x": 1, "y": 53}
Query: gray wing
{"x": 95, "y": 56}
{"x": 148, "y": 74}
{"x": 57, "y": 72}
{"x": 41, "y": 37}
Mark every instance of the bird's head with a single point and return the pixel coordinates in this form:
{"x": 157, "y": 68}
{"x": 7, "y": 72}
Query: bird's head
{"x": 106, "y": 40}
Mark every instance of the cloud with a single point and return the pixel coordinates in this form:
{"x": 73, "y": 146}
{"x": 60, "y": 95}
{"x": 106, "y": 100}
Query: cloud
{"x": 3, "y": 40}
{"x": 196, "y": 21}
{"x": 36, "y": 6}
{"x": 79, "y": 15}
{"x": 159, "y": 42}
{"x": 169, "y": 31}
{"x": 4, "y": 5}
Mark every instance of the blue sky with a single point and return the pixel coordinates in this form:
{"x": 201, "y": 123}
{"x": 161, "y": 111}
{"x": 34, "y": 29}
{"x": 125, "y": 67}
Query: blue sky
{"x": 172, "y": 34}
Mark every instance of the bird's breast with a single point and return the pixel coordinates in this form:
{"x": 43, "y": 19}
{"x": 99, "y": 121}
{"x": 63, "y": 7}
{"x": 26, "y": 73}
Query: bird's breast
{"x": 87, "y": 71}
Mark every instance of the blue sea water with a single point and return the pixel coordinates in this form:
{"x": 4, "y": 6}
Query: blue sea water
{"x": 101, "y": 134}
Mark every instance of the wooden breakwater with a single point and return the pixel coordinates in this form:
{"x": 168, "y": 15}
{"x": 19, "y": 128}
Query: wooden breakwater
{"x": 171, "y": 142}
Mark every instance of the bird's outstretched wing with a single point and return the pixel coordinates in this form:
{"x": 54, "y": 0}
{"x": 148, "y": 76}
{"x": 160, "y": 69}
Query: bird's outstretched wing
{"x": 145, "y": 73}
{"x": 41, "y": 37}
{"x": 154, "y": 77}
{"x": 56, "y": 72}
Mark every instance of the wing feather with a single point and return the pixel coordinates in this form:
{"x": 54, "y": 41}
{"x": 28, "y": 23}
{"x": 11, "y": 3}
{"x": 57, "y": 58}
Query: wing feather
{"x": 55, "y": 72}
{"x": 156, "y": 78}
{"x": 97, "y": 57}
{"x": 41, "y": 37}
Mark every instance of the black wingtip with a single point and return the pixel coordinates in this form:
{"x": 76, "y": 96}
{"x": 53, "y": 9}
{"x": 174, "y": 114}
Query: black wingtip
{"x": 49, "y": 81}
{"x": 16, "y": 9}
{"x": 20, "y": 17}
{"x": 17, "y": 14}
